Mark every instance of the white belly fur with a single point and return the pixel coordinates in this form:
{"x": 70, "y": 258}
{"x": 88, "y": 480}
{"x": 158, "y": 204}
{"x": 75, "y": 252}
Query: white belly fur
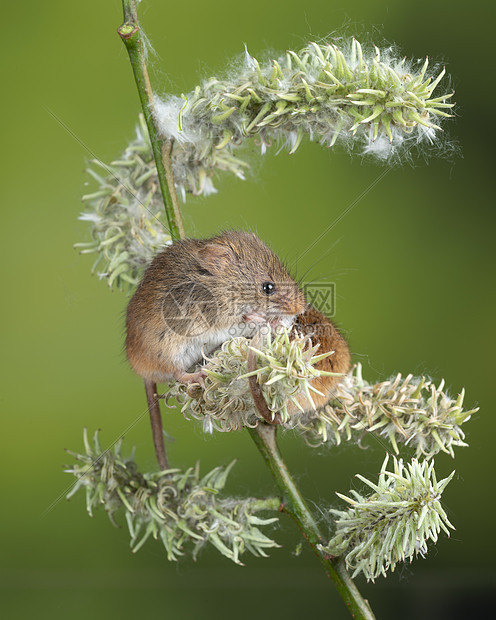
{"x": 191, "y": 352}
{"x": 194, "y": 347}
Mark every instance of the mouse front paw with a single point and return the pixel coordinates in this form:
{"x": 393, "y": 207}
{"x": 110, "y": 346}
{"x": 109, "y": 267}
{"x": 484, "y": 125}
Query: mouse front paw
{"x": 191, "y": 377}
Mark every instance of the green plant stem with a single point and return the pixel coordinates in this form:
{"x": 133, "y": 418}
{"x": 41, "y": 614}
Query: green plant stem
{"x": 130, "y": 34}
{"x": 264, "y": 436}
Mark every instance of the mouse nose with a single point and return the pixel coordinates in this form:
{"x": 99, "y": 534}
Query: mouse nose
{"x": 292, "y": 302}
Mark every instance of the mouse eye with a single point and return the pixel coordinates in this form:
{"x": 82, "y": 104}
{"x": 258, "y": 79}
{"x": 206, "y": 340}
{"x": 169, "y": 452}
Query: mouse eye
{"x": 268, "y": 288}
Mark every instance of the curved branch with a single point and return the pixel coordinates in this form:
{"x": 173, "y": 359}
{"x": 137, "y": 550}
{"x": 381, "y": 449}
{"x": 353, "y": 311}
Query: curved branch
{"x": 130, "y": 34}
{"x": 256, "y": 392}
{"x": 264, "y": 437}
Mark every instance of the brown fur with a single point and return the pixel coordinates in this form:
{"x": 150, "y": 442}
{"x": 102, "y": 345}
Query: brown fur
{"x": 198, "y": 290}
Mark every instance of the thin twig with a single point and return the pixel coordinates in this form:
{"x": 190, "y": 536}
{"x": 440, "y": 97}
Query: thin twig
{"x": 130, "y": 34}
{"x": 264, "y": 436}
{"x": 156, "y": 422}
{"x": 256, "y": 392}
{"x": 169, "y": 174}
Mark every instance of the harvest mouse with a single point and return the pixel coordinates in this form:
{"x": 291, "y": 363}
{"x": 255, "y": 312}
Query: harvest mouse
{"x": 198, "y": 293}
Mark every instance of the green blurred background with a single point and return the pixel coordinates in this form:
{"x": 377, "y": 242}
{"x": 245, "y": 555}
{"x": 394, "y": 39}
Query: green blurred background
{"x": 415, "y": 293}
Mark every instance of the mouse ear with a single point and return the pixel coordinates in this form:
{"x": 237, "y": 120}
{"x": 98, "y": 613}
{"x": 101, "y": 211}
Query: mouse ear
{"x": 216, "y": 257}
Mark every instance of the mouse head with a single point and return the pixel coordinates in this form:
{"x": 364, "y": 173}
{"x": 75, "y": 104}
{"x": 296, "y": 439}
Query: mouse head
{"x": 247, "y": 280}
